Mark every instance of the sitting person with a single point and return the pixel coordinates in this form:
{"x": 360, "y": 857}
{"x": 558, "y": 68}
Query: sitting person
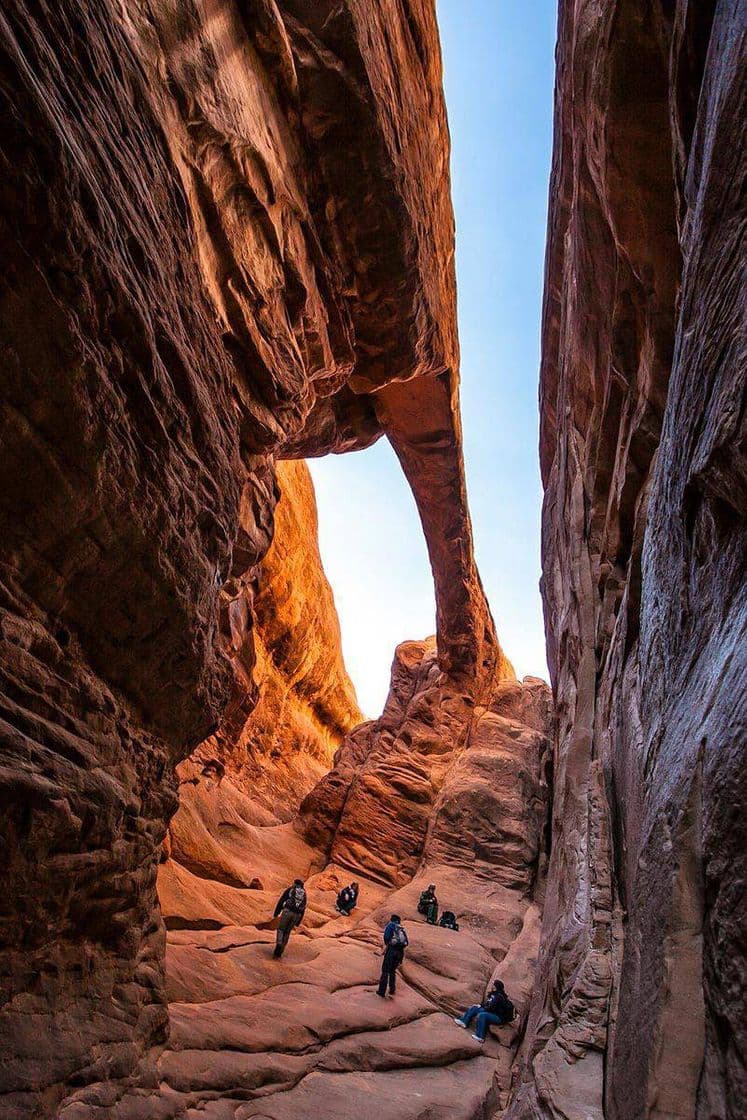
{"x": 448, "y": 921}
{"x": 347, "y": 899}
{"x": 428, "y": 905}
{"x": 494, "y": 1010}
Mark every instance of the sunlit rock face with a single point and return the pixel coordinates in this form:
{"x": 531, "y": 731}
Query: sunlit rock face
{"x": 300, "y": 699}
{"x": 255, "y": 775}
{"x": 227, "y": 238}
{"x": 448, "y": 774}
{"x": 640, "y": 1005}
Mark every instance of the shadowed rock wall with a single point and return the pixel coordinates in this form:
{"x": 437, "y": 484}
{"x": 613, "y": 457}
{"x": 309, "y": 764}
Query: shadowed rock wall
{"x": 640, "y": 1008}
{"x": 226, "y": 234}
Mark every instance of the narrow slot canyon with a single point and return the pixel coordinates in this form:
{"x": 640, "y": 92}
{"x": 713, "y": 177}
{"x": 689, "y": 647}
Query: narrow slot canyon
{"x": 228, "y": 241}
{"x": 448, "y": 786}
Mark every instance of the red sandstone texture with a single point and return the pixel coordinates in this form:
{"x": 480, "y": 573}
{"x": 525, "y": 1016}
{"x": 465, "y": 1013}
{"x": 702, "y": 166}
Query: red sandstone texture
{"x": 300, "y": 699}
{"x": 227, "y": 241}
{"x": 227, "y": 238}
{"x": 457, "y": 785}
{"x": 640, "y": 1005}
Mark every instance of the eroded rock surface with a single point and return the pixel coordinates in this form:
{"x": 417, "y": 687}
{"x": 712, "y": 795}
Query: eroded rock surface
{"x": 640, "y": 1007}
{"x": 227, "y": 239}
{"x": 255, "y": 1037}
{"x": 299, "y": 698}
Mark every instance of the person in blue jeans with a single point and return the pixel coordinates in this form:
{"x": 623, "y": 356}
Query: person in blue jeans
{"x": 495, "y": 1009}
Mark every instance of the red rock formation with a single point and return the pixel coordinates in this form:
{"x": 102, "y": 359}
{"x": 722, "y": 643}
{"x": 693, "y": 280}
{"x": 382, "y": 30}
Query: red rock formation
{"x": 640, "y": 1004}
{"x": 440, "y": 777}
{"x": 306, "y": 1035}
{"x": 226, "y": 234}
{"x": 300, "y": 697}
{"x": 257, "y": 773}
{"x": 227, "y": 241}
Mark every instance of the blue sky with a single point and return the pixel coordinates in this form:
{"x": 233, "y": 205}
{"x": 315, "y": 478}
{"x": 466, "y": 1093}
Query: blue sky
{"x": 498, "y": 76}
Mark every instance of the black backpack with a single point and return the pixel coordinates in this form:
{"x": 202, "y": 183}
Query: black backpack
{"x": 500, "y": 1004}
{"x": 296, "y": 900}
{"x": 448, "y": 919}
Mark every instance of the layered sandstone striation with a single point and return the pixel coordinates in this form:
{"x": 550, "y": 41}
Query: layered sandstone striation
{"x": 227, "y": 239}
{"x": 301, "y": 704}
{"x": 639, "y": 1009}
{"x": 300, "y": 700}
{"x": 446, "y": 775}
{"x": 227, "y": 245}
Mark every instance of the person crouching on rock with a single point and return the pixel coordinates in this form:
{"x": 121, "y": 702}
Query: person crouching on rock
{"x": 494, "y": 1010}
{"x": 347, "y": 899}
{"x": 291, "y": 908}
{"x": 428, "y": 905}
{"x": 395, "y": 943}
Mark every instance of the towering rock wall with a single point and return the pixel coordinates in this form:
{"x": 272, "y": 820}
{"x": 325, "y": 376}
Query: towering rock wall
{"x": 227, "y": 239}
{"x": 640, "y": 1005}
{"x": 256, "y": 769}
{"x": 299, "y": 698}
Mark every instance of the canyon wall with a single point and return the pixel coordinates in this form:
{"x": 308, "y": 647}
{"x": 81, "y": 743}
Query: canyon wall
{"x": 297, "y": 702}
{"x": 639, "y": 1009}
{"x": 227, "y": 239}
{"x": 228, "y": 245}
{"x": 297, "y": 705}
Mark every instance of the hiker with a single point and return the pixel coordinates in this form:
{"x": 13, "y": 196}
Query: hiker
{"x": 494, "y": 1010}
{"x": 395, "y": 943}
{"x": 347, "y": 899}
{"x": 291, "y": 907}
{"x": 428, "y": 905}
{"x": 448, "y": 921}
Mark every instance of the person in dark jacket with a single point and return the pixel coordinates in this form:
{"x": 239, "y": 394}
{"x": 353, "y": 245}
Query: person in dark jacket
{"x": 291, "y": 906}
{"x": 494, "y": 1010}
{"x": 347, "y": 899}
{"x": 428, "y": 905}
{"x": 395, "y": 943}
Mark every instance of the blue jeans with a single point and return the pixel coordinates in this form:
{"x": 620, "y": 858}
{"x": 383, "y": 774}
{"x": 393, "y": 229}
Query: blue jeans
{"x": 485, "y": 1019}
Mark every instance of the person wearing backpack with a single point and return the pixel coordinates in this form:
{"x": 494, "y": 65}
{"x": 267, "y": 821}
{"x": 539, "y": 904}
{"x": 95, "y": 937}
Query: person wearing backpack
{"x": 347, "y": 899}
{"x": 291, "y": 907}
{"x": 395, "y": 943}
{"x": 448, "y": 921}
{"x": 428, "y": 905}
{"x": 494, "y": 1010}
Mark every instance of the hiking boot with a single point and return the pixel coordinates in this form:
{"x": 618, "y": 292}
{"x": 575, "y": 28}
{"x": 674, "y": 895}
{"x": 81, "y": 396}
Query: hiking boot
{"x": 461, "y": 1023}
{"x": 478, "y": 1039}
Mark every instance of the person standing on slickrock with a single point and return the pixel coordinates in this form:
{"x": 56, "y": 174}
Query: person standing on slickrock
{"x": 395, "y": 943}
{"x": 291, "y": 907}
